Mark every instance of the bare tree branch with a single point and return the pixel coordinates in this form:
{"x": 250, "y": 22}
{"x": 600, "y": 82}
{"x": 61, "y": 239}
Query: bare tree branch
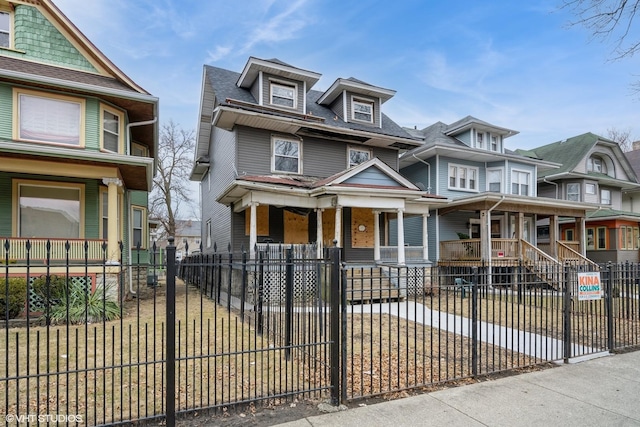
{"x": 622, "y": 137}
{"x": 171, "y": 190}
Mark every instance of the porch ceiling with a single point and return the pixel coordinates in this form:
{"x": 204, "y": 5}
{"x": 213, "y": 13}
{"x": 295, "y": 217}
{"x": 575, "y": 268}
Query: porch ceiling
{"x": 528, "y": 205}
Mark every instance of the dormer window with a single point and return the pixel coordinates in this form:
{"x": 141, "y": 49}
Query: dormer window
{"x": 596, "y": 164}
{"x": 283, "y": 95}
{"x": 362, "y": 110}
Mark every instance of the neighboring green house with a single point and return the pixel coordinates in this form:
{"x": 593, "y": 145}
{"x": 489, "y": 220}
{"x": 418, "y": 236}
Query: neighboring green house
{"x": 593, "y": 170}
{"x": 77, "y": 142}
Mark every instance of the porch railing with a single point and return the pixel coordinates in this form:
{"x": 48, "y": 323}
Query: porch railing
{"x": 468, "y": 249}
{"x": 52, "y": 249}
{"x": 411, "y": 254}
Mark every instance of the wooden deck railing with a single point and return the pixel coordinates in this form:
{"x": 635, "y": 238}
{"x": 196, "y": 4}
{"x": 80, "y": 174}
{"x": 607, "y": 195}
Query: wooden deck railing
{"x": 460, "y": 250}
{"x": 567, "y": 253}
{"x": 53, "y": 249}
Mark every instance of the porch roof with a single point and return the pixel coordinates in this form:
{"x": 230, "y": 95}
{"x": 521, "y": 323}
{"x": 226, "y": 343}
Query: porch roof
{"x": 512, "y": 203}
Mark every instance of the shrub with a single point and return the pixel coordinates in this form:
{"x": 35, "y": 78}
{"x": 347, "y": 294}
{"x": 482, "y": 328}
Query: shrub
{"x": 54, "y": 292}
{"x": 17, "y": 297}
{"x": 82, "y": 306}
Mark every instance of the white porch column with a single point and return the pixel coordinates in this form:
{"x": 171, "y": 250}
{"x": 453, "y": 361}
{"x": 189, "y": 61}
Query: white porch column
{"x": 338, "y": 227}
{"x": 320, "y": 243}
{"x": 554, "y": 236}
{"x": 376, "y": 237}
{"x": 425, "y": 238}
{"x": 253, "y": 229}
{"x": 401, "y": 257}
{"x": 581, "y": 229}
{"x": 112, "y": 219}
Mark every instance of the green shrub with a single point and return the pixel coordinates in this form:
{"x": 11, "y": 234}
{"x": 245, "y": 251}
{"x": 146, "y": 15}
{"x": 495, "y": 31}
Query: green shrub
{"x": 55, "y": 291}
{"x": 80, "y": 306}
{"x": 17, "y": 297}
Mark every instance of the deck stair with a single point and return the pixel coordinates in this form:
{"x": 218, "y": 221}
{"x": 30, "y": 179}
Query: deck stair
{"x": 543, "y": 267}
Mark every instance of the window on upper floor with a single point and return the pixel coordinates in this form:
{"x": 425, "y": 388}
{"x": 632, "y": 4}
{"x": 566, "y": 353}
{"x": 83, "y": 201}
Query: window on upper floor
{"x": 590, "y": 189}
{"x": 494, "y": 143}
{"x": 284, "y": 95}
{"x": 573, "y": 191}
{"x": 286, "y": 155}
{"x": 49, "y": 209}
{"x": 209, "y": 240}
{"x": 139, "y": 150}
{"x": 494, "y": 180}
{"x": 362, "y": 110}
{"x": 463, "y": 178}
{"x": 596, "y": 164}
{"x": 480, "y": 140}
{"x": 111, "y": 136}
{"x": 520, "y": 182}
{"x": 6, "y": 24}
{"x": 49, "y": 118}
{"x": 605, "y": 196}
{"x": 358, "y": 155}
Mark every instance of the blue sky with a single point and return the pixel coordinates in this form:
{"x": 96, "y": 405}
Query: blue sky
{"x": 514, "y": 64}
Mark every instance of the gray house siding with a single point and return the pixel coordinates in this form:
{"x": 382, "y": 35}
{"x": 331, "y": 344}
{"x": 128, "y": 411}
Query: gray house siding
{"x": 376, "y": 108}
{"x": 371, "y": 176}
{"x": 338, "y": 106}
{"x": 465, "y": 137}
{"x": 266, "y": 90}
{"x": 422, "y": 176}
{"x": 222, "y": 175}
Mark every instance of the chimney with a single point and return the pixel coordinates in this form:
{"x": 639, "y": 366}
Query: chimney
{"x": 635, "y": 145}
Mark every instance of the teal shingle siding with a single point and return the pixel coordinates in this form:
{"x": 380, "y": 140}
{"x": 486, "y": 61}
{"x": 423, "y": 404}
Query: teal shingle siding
{"x": 41, "y": 41}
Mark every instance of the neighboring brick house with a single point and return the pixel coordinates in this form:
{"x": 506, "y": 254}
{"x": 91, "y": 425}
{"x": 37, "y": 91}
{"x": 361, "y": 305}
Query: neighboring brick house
{"x": 77, "y": 141}
{"x": 494, "y": 205}
{"x": 280, "y": 162}
{"x": 594, "y": 170}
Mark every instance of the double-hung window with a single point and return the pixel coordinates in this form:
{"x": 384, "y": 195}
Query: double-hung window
{"x": 5, "y": 28}
{"x": 520, "y": 182}
{"x": 138, "y": 227}
{"x": 112, "y": 130}
{"x": 605, "y": 196}
{"x": 494, "y": 180}
{"x": 286, "y": 155}
{"x": 573, "y": 192}
{"x": 57, "y": 120}
{"x": 602, "y": 238}
{"x": 494, "y": 143}
{"x": 283, "y": 95}
{"x": 357, "y": 156}
{"x": 362, "y": 110}
{"x": 463, "y": 178}
{"x": 480, "y": 140}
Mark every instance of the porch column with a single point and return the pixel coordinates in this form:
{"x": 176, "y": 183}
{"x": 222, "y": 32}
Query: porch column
{"x": 580, "y": 234}
{"x": 401, "y": 257}
{"x": 554, "y": 234}
{"x": 112, "y": 219}
{"x": 376, "y": 237}
{"x": 253, "y": 229}
{"x": 519, "y": 231}
{"x": 319, "y": 242}
{"x": 425, "y": 238}
{"x": 485, "y": 235}
{"x": 338, "y": 226}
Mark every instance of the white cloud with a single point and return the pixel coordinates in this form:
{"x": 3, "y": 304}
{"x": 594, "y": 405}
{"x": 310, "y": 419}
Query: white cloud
{"x": 217, "y": 54}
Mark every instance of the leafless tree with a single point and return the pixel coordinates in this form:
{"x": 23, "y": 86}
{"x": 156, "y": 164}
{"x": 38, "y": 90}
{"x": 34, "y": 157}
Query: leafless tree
{"x": 171, "y": 194}
{"x": 609, "y": 21}
{"x": 622, "y": 137}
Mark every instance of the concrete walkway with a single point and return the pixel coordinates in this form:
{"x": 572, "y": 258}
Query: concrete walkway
{"x": 597, "y": 392}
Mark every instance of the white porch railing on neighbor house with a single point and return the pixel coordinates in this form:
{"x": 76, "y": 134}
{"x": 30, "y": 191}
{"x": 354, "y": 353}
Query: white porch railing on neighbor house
{"x": 279, "y": 250}
{"x": 411, "y": 254}
{"x": 57, "y": 250}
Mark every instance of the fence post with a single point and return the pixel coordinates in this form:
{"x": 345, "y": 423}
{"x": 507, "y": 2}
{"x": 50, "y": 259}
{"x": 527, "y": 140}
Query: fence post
{"x": 259, "y": 313}
{"x": 229, "y": 282}
{"x": 335, "y": 296}
{"x": 567, "y": 314}
{"x": 609, "y": 301}
{"x": 288, "y": 302}
{"x": 244, "y": 284}
{"x": 171, "y": 335}
{"x": 474, "y": 322}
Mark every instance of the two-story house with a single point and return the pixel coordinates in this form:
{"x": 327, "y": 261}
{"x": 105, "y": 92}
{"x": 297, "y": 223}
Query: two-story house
{"x": 280, "y": 162}
{"x": 494, "y": 204}
{"x": 594, "y": 170}
{"x": 77, "y": 141}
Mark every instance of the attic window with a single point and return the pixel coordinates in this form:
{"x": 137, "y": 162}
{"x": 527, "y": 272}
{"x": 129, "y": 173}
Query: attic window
{"x": 596, "y": 164}
{"x": 283, "y": 95}
{"x": 362, "y": 110}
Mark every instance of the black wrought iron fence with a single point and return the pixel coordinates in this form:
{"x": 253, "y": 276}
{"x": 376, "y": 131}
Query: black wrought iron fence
{"x": 112, "y": 343}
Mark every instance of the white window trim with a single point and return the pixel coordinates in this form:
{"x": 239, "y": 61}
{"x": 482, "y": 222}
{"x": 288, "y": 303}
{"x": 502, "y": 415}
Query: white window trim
{"x": 7, "y": 9}
{"x": 363, "y": 101}
{"x": 590, "y": 185}
{"x": 602, "y": 199}
{"x": 273, "y": 154}
{"x": 467, "y": 168}
{"x": 528, "y": 174}
{"x": 498, "y": 143}
{"x": 579, "y": 186}
{"x": 364, "y": 150}
{"x": 284, "y": 84}
{"x": 121, "y": 131}
{"x": 144, "y": 234}
{"x": 480, "y": 140}
{"x": 501, "y": 170}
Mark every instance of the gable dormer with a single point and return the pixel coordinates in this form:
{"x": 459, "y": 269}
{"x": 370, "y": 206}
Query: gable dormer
{"x": 479, "y": 134}
{"x": 355, "y": 101}
{"x": 276, "y": 84}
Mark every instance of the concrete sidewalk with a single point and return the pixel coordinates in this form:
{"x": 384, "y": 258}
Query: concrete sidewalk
{"x": 597, "y": 392}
